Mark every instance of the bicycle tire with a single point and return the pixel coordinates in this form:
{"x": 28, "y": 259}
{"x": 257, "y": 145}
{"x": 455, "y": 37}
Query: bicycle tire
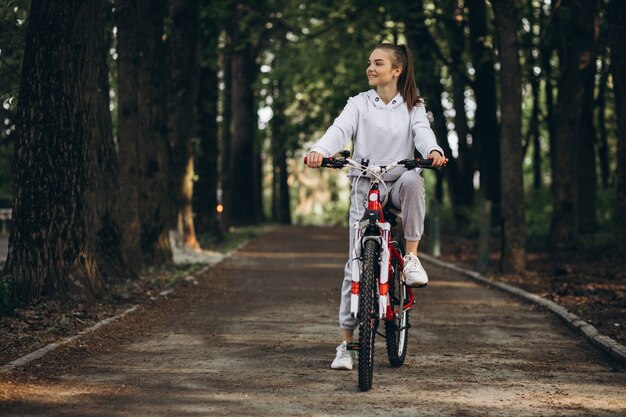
{"x": 368, "y": 317}
{"x": 397, "y": 330}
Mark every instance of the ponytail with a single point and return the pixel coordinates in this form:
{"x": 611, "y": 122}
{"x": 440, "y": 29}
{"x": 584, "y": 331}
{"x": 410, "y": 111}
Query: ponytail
{"x": 402, "y": 57}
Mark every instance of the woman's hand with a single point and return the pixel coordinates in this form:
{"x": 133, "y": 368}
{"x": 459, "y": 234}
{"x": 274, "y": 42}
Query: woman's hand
{"x": 314, "y": 159}
{"x": 438, "y": 159}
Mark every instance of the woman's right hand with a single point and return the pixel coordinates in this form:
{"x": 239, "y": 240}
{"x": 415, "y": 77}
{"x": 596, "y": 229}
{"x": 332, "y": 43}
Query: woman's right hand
{"x": 314, "y": 159}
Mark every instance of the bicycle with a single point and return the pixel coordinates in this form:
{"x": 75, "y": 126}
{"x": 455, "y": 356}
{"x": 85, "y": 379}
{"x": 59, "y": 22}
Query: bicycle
{"x": 378, "y": 289}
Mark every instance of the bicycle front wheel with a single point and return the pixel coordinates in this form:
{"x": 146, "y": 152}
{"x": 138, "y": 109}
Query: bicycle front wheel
{"x": 396, "y": 330}
{"x": 368, "y": 317}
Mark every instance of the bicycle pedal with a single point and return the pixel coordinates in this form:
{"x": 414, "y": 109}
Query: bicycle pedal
{"x": 353, "y": 346}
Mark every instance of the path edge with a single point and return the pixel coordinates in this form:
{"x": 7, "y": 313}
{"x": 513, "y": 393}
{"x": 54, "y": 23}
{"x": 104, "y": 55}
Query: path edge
{"x": 29, "y": 357}
{"x": 611, "y": 347}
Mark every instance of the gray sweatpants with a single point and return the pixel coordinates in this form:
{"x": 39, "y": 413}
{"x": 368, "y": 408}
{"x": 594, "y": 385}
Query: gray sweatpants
{"x": 406, "y": 193}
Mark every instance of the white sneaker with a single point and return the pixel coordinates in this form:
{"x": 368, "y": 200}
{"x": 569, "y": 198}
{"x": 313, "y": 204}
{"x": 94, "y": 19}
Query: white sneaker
{"x": 343, "y": 360}
{"x": 414, "y": 273}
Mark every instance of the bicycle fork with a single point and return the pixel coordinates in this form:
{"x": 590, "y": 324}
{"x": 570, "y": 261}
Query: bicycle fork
{"x": 383, "y": 260}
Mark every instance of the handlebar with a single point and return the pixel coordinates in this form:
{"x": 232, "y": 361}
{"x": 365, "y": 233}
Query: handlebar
{"x": 338, "y": 163}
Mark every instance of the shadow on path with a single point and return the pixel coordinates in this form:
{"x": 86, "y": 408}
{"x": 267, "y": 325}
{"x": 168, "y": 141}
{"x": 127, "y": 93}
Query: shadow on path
{"x": 256, "y": 337}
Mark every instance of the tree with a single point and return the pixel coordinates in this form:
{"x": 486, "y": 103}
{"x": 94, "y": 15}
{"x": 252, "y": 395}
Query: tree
{"x": 513, "y": 254}
{"x": 207, "y": 157}
{"x": 183, "y": 83}
{"x": 126, "y": 20}
{"x": 243, "y": 205}
{"x": 61, "y": 158}
{"x": 157, "y": 213}
{"x": 587, "y": 178}
{"x": 486, "y": 130}
{"x": 617, "y": 34}
{"x": 575, "y": 54}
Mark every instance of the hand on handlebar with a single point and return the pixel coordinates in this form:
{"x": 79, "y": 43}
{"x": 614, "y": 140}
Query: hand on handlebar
{"x": 314, "y": 159}
{"x": 438, "y": 159}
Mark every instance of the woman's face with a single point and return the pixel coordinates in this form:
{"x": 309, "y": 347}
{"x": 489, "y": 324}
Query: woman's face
{"x": 379, "y": 69}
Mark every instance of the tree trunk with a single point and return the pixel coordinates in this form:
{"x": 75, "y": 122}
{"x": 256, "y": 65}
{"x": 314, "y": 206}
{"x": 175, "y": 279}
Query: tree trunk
{"x": 617, "y": 34}
{"x": 183, "y": 83}
{"x": 587, "y": 180}
{"x": 603, "y": 136}
{"x": 281, "y": 212}
{"x": 513, "y": 255}
{"x": 575, "y": 54}
{"x": 205, "y": 192}
{"x": 155, "y": 197}
{"x": 486, "y": 131}
{"x": 546, "y": 51}
{"x": 466, "y": 153}
{"x": 243, "y": 158}
{"x": 104, "y": 191}
{"x": 53, "y": 244}
{"x": 128, "y": 127}
{"x": 226, "y": 130}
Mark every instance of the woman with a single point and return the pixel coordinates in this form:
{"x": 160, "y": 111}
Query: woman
{"x": 387, "y": 124}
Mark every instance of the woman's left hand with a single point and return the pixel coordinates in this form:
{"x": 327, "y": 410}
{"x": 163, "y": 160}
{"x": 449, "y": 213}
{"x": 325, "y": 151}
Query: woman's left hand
{"x": 438, "y": 159}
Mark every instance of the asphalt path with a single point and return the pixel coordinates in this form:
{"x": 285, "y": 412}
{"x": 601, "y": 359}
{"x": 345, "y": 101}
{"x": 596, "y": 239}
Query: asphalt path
{"x": 256, "y": 335}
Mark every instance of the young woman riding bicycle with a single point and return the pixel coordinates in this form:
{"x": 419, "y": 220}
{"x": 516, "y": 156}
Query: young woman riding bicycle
{"x": 387, "y": 124}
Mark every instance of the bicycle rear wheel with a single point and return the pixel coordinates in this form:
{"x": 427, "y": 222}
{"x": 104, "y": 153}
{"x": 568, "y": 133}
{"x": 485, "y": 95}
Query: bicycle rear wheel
{"x": 397, "y": 330}
{"x": 368, "y": 317}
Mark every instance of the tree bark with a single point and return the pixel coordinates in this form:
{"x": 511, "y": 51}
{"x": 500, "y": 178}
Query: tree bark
{"x": 281, "y": 212}
{"x": 155, "y": 196}
{"x": 128, "y": 127}
{"x": 617, "y": 34}
{"x": 466, "y": 151}
{"x": 53, "y": 244}
{"x": 183, "y": 83}
{"x": 103, "y": 190}
{"x": 513, "y": 255}
{"x": 587, "y": 179}
{"x": 243, "y": 158}
{"x": 575, "y": 57}
{"x": 486, "y": 130}
{"x": 205, "y": 192}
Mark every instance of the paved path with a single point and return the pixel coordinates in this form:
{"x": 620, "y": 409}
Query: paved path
{"x": 256, "y": 337}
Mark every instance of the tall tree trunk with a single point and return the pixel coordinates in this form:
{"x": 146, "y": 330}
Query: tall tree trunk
{"x": 226, "y": 129}
{"x": 617, "y": 34}
{"x": 587, "y": 180}
{"x": 513, "y": 255}
{"x": 104, "y": 191}
{"x": 603, "y": 136}
{"x": 466, "y": 154}
{"x": 155, "y": 197}
{"x": 575, "y": 57}
{"x": 183, "y": 81}
{"x": 534, "y": 135}
{"x": 243, "y": 157}
{"x": 281, "y": 212}
{"x": 546, "y": 50}
{"x": 53, "y": 244}
{"x": 486, "y": 130}
{"x": 128, "y": 127}
{"x": 205, "y": 192}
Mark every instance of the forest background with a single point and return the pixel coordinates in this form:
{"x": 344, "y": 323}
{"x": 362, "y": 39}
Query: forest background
{"x": 123, "y": 120}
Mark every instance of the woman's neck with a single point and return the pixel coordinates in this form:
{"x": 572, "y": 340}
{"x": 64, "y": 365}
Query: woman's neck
{"x": 387, "y": 92}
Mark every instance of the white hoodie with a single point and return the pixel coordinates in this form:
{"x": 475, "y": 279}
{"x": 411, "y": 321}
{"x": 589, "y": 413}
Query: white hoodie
{"x": 383, "y": 133}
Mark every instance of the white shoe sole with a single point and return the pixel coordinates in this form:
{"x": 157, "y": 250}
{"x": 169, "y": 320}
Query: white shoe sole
{"x": 341, "y": 367}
